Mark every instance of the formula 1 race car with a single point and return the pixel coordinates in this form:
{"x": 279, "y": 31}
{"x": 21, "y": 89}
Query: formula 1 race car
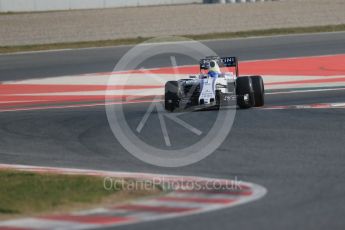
{"x": 206, "y": 91}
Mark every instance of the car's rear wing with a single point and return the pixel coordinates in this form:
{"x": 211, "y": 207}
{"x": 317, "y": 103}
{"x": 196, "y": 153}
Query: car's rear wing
{"x": 222, "y": 62}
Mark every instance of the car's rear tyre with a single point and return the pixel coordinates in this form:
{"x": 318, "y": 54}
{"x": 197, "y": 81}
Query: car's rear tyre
{"x": 244, "y": 87}
{"x": 259, "y": 90}
{"x": 171, "y": 98}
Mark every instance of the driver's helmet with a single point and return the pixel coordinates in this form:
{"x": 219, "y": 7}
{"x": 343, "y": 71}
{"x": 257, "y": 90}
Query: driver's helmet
{"x": 213, "y": 70}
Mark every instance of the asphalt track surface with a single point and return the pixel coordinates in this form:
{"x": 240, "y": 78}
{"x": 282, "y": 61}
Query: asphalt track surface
{"x": 297, "y": 154}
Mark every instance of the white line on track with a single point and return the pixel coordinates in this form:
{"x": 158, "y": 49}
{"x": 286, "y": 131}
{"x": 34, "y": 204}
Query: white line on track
{"x": 304, "y": 91}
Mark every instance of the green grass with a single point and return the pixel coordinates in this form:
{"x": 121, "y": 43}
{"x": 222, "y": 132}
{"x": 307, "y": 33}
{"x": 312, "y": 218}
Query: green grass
{"x": 132, "y": 41}
{"x": 25, "y": 193}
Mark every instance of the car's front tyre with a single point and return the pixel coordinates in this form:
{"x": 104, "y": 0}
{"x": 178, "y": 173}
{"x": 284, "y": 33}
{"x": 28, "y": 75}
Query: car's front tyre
{"x": 171, "y": 98}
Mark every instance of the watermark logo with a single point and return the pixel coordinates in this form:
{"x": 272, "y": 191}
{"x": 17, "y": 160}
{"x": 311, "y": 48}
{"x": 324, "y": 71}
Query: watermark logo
{"x": 116, "y": 184}
{"x": 137, "y": 117}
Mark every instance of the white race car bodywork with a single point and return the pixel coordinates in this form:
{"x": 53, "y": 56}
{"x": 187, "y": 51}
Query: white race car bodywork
{"x": 209, "y": 85}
